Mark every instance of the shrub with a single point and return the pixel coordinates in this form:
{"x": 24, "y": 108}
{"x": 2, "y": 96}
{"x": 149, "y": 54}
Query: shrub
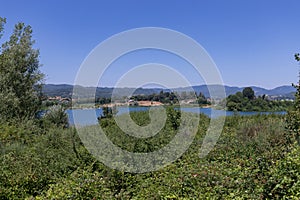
{"x": 284, "y": 180}
{"x": 57, "y": 116}
{"x": 28, "y": 168}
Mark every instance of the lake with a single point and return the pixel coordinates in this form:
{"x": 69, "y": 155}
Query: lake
{"x": 83, "y": 116}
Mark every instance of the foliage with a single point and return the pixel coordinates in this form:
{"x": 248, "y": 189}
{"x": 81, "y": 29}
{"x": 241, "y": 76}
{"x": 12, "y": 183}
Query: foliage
{"x": 130, "y": 143}
{"x": 293, "y": 116}
{"x": 171, "y": 98}
{"x": 20, "y": 78}
{"x": 247, "y": 101}
{"x": 284, "y": 181}
{"x": 2, "y": 22}
{"x": 173, "y": 117}
{"x": 48, "y": 103}
{"x": 163, "y": 97}
{"x": 248, "y": 162}
{"x": 56, "y": 116}
{"x": 108, "y": 112}
{"x": 103, "y": 100}
{"x": 202, "y": 100}
{"x": 33, "y": 160}
{"x": 248, "y": 93}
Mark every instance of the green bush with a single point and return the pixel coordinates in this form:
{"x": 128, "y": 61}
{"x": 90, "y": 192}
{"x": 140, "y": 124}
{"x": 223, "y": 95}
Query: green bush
{"x": 241, "y": 166}
{"x": 251, "y": 160}
{"x": 284, "y": 180}
{"x": 28, "y": 168}
{"x": 56, "y": 116}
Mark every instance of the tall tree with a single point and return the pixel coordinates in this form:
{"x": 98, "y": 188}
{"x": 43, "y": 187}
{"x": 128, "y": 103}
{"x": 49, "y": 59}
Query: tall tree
{"x": 20, "y": 77}
{"x": 293, "y": 116}
{"x": 248, "y": 92}
{"x": 2, "y": 22}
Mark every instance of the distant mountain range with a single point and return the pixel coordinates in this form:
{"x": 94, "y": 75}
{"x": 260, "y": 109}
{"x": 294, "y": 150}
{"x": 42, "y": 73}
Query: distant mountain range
{"x": 65, "y": 90}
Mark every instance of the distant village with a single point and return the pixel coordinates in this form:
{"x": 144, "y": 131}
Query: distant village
{"x": 133, "y": 101}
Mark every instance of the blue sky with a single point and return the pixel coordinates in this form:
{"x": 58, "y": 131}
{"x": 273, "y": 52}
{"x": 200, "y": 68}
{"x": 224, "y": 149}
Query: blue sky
{"x": 251, "y": 42}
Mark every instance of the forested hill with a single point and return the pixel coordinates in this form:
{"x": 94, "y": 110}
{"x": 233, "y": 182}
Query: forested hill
{"x": 65, "y": 90}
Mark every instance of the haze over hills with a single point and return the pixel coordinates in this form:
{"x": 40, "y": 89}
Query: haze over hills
{"x": 65, "y": 90}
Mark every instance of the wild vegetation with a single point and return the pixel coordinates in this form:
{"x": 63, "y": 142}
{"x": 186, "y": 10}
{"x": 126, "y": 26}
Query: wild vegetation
{"x": 20, "y": 78}
{"x": 256, "y": 157}
{"x": 163, "y": 97}
{"x": 168, "y": 98}
{"x": 247, "y": 101}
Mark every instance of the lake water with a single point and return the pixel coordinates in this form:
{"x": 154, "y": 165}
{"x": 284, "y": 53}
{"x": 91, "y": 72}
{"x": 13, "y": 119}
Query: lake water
{"x": 89, "y": 116}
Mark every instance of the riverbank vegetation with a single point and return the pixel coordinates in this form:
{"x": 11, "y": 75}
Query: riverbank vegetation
{"x": 253, "y": 158}
{"x": 166, "y": 98}
{"x": 247, "y": 101}
{"x": 256, "y": 157}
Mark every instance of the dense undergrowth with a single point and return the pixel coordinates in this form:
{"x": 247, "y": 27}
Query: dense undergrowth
{"x": 253, "y": 159}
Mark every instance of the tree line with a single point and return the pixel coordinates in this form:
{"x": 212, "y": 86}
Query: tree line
{"x": 169, "y": 98}
{"x": 247, "y": 101}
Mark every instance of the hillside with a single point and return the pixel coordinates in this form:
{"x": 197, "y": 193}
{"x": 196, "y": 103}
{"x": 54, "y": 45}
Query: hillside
{"x": 65, "y": 90}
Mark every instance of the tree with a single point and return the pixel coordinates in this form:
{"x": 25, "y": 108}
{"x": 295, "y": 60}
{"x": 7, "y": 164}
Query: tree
{"x": 246, "y": 101}
{"x": 2, "y": 22}
{"x": 202, "y": 100}
{"x": 248, "y": 92}
{"x": 56, "y": 116}
{"x": 108, "y": 112}
{"x": 293, "y": 116}
{"x": 297, "y": 57}
{"x": 20, "y": 78}
{"x": 174, "y": 117}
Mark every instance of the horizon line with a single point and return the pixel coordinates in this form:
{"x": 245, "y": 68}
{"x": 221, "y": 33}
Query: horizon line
{"x": 178, "y": 87}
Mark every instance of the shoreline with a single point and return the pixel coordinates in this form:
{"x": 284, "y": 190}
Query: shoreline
{"x": 139, "y": 103}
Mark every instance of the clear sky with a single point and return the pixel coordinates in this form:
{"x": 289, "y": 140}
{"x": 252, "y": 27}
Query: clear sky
{"x": 251, "y": 41}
